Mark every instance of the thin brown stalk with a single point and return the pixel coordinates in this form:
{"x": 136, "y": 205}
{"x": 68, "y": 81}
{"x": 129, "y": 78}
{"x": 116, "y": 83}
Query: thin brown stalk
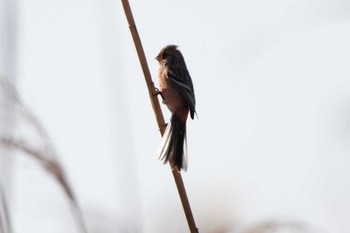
{"x": 158, "y": 112}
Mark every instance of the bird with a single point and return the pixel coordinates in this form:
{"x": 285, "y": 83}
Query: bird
{"x": 176, "y": 89}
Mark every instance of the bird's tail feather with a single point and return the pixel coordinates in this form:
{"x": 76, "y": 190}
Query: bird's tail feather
{"x": 174, "y": 144}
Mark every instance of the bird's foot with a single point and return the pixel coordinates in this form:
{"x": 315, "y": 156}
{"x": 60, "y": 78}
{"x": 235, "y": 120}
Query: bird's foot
{"x": 158, "y": 92}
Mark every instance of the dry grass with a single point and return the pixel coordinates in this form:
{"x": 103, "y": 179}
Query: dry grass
{"x": 41, "y": 150}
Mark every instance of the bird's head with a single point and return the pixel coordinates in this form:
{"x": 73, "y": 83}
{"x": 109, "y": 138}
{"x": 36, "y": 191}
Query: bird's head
{"x": 167, "y": 54}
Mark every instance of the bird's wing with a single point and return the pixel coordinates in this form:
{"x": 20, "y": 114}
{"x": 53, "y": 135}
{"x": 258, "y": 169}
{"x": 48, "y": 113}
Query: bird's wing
{"x": 182, "y": 82}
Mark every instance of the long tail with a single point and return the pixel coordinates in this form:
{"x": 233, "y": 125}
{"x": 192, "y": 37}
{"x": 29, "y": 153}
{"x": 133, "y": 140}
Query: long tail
{"x": 174, "y": 145}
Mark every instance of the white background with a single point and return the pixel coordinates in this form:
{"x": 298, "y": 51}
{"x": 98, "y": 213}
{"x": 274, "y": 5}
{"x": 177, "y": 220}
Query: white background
{"x": 272, "y": 84}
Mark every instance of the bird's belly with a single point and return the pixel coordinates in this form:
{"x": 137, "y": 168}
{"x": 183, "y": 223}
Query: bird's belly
{"x": 171, "y": 97}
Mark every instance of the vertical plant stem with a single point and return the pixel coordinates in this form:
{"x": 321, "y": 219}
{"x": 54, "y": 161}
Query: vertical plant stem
{"x": 158, "y": 112}
{"x": 5, "y": 221}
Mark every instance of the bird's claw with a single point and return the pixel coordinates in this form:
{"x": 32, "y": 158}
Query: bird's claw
{"x": 157, "y": 92}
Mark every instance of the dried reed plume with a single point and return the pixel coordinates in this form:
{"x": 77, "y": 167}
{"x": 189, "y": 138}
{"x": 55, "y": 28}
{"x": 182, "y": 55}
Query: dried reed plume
{"x": 44, "y": 152}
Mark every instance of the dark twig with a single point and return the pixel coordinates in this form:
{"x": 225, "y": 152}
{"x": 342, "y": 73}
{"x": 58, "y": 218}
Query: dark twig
{"x": 158, "y": 112}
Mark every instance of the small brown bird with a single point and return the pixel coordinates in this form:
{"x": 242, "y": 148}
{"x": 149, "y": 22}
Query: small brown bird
{"x": 176, "y": 89}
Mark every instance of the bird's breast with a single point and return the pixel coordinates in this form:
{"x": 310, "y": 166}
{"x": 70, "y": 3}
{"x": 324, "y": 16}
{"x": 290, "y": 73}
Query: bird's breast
{"x": 171, "y": 96}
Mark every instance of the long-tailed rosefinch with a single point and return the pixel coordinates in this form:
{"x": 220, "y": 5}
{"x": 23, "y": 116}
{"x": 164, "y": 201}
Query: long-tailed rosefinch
{"x": 176, "y": 89}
